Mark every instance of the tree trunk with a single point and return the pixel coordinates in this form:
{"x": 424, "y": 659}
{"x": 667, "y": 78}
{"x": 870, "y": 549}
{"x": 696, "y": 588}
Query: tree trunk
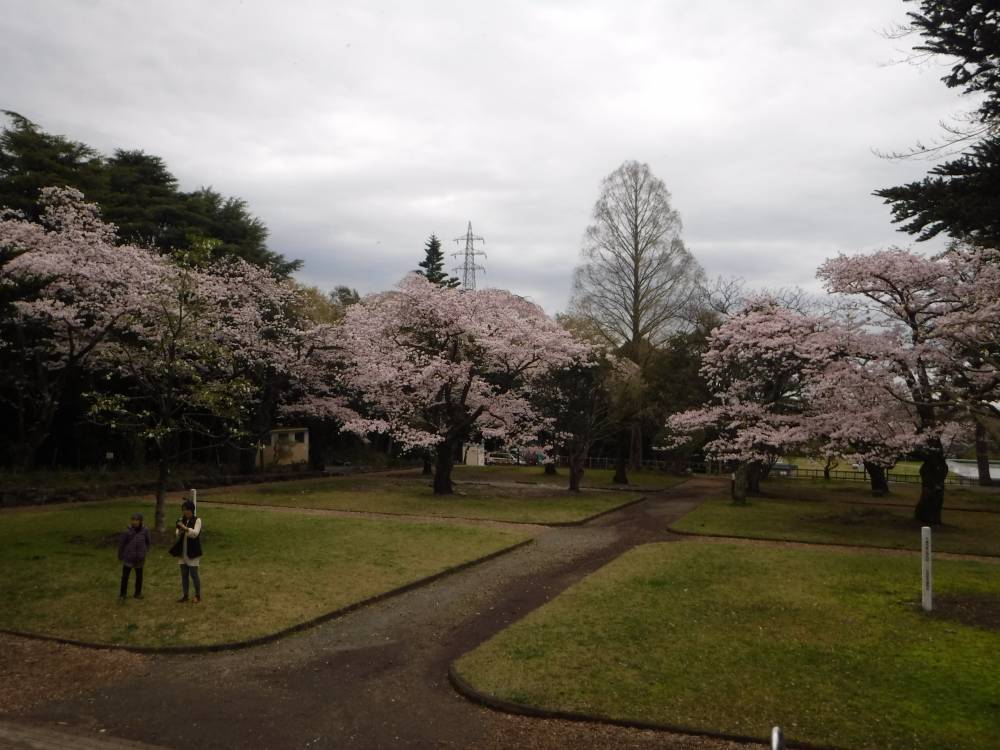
{"x": 445, "y": 460}
{"x": 550, "y": 469}
{"x": 162, "y": 477}
{"x": 933, "y": 472}
{"x": 826, "y": 472}
{"x": 635, "y": 447}
{"x": 577, "y": 458}
{"x": 740, "y": 485}
{"x": 262, "y": 419}
{"x": 621, "y": 458}
{"x": 138, "y": 443}
{"x": 428, "y": 465}
{"x": 34, "y": 432}
{"x": 753, "y": 472}
{"x": 248, "y": 460}
{"x": 575, "y": 474}
{"x": 879, "y": 479}
{"x": 983, "y": 455}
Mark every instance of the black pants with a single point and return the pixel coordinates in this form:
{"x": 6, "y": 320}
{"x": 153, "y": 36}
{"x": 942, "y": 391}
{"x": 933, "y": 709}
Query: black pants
{"x": 126, "y": 570}
{"x": 190, "y": 570}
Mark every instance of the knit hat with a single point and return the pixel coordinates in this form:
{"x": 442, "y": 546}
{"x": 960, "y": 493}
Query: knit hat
{"x": 137, "y": 515}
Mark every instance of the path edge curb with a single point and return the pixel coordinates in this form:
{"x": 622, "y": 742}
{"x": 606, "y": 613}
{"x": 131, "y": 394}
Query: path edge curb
{"x": 277, "y": 635}
{"x": 466, "y": 690}
{"x": 207, "y": 500}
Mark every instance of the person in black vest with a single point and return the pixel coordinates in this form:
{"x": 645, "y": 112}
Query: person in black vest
{"x": 187, "y": 550}
{"x": 132, "y": 549}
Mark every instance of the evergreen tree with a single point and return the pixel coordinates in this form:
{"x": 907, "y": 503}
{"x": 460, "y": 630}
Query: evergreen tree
{"x": 433, "y": 265}
{"x": 960, "y": 197}
{"x": 343, "y": 297}
{"x": 239, "y": 233}
{"x": 31, "y": 159}
{"x": 135, "y": 191}
{"x": 143, "y": 201}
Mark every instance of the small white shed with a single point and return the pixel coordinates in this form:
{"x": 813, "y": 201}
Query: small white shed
{"x": 285, "y": 445}
{"x": 474, "y": 454}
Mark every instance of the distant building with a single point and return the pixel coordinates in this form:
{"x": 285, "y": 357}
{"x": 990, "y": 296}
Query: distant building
{"x": 285, "y": 445}
{"x": 474, "y": 454}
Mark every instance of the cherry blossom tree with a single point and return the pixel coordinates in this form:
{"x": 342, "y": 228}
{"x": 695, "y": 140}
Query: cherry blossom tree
{"x": 759, "y": 366}
{"x": 901, "y": 377}
{"x": 434, "y": 366}
{"x": 312, "y": 391}
{"x": 91, "y": 287}
{"x": 271, "y": 344}
{"x": 169, "y": 372}
{"x": 213, "y": 351}
{"x": 939, "y": 342}
{"x": 856, "y": 413}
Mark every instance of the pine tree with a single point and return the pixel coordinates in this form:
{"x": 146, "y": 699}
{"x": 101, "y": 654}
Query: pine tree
{"x": 134, "y": 190}
{"x": 31, "y": 159}
{"x": 433, "y": 265}
{"x": 960, "y": 196}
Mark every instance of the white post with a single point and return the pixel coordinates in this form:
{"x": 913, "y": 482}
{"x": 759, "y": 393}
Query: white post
{"x": 926, "y": 574}
{"x": 194, "y": 499}
{"x": 777, "y": 739}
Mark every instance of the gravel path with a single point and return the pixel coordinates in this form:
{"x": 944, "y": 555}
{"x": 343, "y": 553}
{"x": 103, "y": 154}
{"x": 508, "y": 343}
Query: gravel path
{"x": 376, "y": 678}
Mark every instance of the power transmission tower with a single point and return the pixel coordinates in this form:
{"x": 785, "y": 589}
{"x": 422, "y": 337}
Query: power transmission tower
{"x": 469, "y": 265}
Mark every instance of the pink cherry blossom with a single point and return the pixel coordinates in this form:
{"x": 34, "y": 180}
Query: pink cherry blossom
{"x": 93, "y": 287}
{"x": 434, "y": 366}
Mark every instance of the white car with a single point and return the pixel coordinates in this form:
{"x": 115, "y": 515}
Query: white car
{"x": 500, "y": 458}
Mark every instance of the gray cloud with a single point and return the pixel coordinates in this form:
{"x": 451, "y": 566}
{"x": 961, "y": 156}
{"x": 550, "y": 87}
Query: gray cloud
{"x": 356, "y": 129}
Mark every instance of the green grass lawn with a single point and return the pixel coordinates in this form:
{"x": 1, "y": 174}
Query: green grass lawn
{"x": 842, "y": 523}
{"x": 262, "y": 572}
{"x": 95, "y": 480}
{"x": 411, "y": 494}
{"x": 829, "y": 644}
{"x": 803, "y": 462}
{"x": 966, "y": 497}
{"x": 597, "y": 478}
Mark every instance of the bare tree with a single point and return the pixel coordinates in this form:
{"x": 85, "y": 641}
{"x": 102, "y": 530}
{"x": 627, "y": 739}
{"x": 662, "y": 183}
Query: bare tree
{"x": 636, "y": 280}
{"x": 724, "y": 295}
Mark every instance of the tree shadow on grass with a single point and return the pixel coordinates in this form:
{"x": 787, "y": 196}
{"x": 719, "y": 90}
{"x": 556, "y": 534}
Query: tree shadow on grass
{"x": 867, "y": 517}
{"x": 981, "y": 610}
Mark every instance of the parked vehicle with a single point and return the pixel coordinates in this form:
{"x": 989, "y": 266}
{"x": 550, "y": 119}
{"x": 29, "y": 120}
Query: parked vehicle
{"x": 500, "y": 458}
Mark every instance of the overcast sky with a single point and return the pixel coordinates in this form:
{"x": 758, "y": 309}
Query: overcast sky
{"x": 356, "y": 129}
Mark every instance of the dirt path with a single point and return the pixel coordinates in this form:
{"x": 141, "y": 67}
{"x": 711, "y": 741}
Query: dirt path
{"x": 378, "y": 677}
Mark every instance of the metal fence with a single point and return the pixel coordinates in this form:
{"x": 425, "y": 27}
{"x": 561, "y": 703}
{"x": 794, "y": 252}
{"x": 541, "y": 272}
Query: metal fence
{"x": 794, "y": 472}
{"x": 602, "y": 462}
{"x": 862, "y": 476}
{"x": 785, "y": 471}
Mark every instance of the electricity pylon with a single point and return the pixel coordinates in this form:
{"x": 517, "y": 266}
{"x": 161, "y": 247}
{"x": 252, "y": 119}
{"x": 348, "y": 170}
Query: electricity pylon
{"x": 469, "y": 265}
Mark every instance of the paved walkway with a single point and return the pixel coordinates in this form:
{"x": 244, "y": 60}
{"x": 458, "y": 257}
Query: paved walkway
{"x": 378, "y": 678}
{"x": 18, "y": 736}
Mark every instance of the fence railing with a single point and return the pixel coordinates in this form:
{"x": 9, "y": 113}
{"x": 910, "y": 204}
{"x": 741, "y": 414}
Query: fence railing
{"x": 785, "y": 472}
{"x": 603, "y": 462}
{"x": 850, "y": 476}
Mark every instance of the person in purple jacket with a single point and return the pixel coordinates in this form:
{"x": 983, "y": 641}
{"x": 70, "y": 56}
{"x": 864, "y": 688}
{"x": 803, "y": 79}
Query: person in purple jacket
{"x": 132, "y": 549}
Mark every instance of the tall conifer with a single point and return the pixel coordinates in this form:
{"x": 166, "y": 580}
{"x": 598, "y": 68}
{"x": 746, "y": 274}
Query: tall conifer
{"x": 433, "y": 265}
